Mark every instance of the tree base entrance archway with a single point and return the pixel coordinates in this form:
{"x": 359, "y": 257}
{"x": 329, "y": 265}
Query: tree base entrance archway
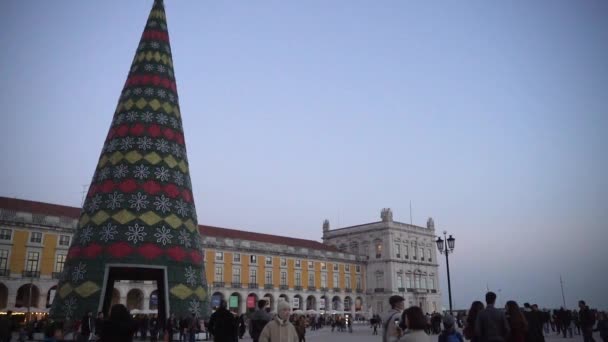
{"x": 118, "y": 272}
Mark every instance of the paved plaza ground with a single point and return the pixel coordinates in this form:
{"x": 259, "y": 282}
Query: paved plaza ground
{"x": 364, "y": 333}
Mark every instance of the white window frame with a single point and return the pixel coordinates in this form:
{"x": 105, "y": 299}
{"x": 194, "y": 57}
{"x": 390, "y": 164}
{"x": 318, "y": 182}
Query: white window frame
{"x": 220, "y": 273}
{"x": 234, "y": 258}
{"x": 283, "y": 262}
{"x": 59, "y": 241}
{"x": 219, "y": 256}
{"x": 32, "y": 236}
{"x": 268, "y": 261}
{"x": 253, "y": 259}
{"x": 236, "y": 271}
{"x": 11, "y": 232}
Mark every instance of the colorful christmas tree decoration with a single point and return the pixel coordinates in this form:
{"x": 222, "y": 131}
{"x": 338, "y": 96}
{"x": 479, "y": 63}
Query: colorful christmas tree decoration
{"x": 139, "y": 220}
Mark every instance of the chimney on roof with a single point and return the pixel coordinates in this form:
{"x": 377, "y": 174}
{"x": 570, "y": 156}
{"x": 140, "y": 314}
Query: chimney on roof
{"x": 325, "y": 226}
{"x": 386, "y": 215}
{"x": 430, "y": 224}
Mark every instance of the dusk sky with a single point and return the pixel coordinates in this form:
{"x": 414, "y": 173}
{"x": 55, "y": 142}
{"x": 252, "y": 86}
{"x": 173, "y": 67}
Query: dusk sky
{"x": 489, "y": 116}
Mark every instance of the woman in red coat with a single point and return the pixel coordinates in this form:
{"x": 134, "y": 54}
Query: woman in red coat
{"x": 517, "y": 322}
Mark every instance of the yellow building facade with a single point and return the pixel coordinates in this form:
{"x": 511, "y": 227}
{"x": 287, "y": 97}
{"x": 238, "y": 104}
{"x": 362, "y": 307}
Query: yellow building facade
{"x": 241, "y": 266}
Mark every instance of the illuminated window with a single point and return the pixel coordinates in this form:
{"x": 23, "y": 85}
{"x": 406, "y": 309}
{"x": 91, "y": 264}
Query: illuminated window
{"x": 59, "y": 262}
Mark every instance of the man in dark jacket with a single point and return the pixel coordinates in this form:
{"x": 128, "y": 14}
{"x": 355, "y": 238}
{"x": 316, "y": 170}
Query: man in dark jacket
{"x": 535, "y": 323}
{"x": 491, "y": 324}
{"x": 6, "y": 326}
{"x": 587, "y": 319}
{"x": 222, "y": 324}
{"x": 258, "y": 320}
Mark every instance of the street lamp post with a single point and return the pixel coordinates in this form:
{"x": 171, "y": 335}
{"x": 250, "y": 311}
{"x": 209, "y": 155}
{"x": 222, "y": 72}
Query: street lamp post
{"x": 447, "y": 248}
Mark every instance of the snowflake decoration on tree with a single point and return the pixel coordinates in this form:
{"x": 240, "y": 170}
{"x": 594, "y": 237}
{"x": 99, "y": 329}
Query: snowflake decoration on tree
{"x": 163, "y": 204}
{"x": 195, "y": 306}
{"x": 176, "y": 150}
{"x": 173, "y": 120}
{"x": 197, "y": 241}
{"x": 162, "y": 119}
{"x": 163, "y": 26}
{"x": 139, "y": 201}
{"x": 163, "y": 235}
{"x": 127, "y": 143}
{"x": 161, "y": 68}
{"x": 162, "y": 174}
{"x": 137, "y": 91}
{"x": 162, "y": 145}
{"x": 144, "y": 143}
{"x": 69, "y": 306}
{"x": 104, "y": 173}
{"x": 190, "y": 276}
{"x": 178, "y": 177}
{"x": 94, "y": 203}
{"x": 107, "y": 232}
{"x": 112, "y": 145}
{"x": 147, "y": 117}
{"x": 182, "y": 208}
{"x": 127, "y": 92}
{"x": 161, "y": 93}
{"x": 118, "y": 119}
{"x": 154, "y": 45}
{"x": 194, "y": 217}
{"x": 141, "y": 171}
{"x": 114, "y": 200}
{"x": 171, "y": 98}
{"x": 149, "y": 92}
{"x": 78, "y": 272}
{"x": 152, "y": 23}
{"x": 141, "y": 46}
{"x": 85, "y": 235}
{"x": 148, "y": 67}
{"x": 131, "y": 116}
{"x": 184, "y": 238}
{"x": 136, "y": 233}
{"x": 121, "y": 171}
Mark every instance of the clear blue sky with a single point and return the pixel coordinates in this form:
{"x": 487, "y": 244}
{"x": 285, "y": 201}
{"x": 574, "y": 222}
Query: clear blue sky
{"x": 489, "y": 116}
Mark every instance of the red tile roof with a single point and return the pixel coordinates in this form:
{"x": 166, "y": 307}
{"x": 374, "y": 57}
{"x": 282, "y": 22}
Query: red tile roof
{"x": 251, "y": 236}
{"x": 62, "y": 210}
{"x": 38, "y": 207}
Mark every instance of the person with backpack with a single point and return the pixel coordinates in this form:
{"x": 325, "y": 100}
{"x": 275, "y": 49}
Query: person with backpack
{"x": 449, "y": 333}
{"x": 390, "y": 329}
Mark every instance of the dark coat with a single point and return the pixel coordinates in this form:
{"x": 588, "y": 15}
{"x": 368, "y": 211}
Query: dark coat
{"x": 223, "y": 326}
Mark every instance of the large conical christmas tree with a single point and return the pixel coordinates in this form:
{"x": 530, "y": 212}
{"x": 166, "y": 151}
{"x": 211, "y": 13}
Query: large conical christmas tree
{"x": 139, "y": 213}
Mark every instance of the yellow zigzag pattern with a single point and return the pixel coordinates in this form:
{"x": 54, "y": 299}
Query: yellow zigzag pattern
{"x": 134, "y": 156}
{"x": 125, "y": 216}
{"x": 156, "y": 56}
{"x": 182, "y": 292}
{"x": 84, "y": 290}
{"x": 157, "y": 14}
{"x": 154, "y": 104}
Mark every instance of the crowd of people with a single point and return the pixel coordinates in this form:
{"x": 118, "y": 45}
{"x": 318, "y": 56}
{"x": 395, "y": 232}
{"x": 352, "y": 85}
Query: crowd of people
{"x": 487, "y": 323}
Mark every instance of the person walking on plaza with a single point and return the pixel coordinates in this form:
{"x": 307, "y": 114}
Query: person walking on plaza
{"x": 6, "y": 326}
{"x": 566, "y": 320}
{"x": 301, "y": 329}
{"x": 415, "y": 321}
{"x": 517, "y": 322}
{"x": 119, "y": 327}
{"x": 258, "y": 320}
{"x": 98, "y": 324}
{"x": 449, "y": 333}
{"x": 587, "y": 321}
{"x": 602, "y": 326}
{"x": 280, "y": 329}
{"x": 86, "y": 327}
{"x": 491, "y": 324}
{"x": 390, "y": 330}
{"x": 469, "y": 328}
{"x": 535, "y": 323}
{"x": 222, "y": 324}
